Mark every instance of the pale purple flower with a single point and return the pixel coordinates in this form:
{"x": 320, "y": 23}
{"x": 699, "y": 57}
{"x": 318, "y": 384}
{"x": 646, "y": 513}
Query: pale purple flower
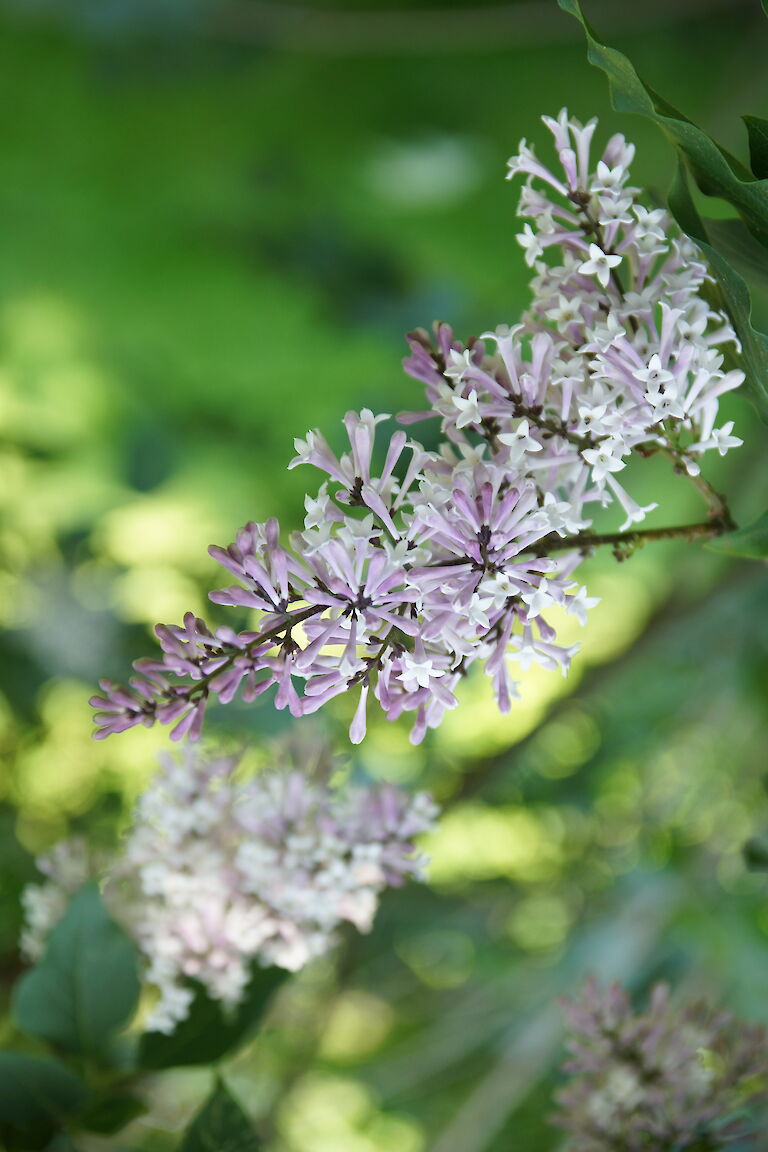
{"x": 413, "y": 565}
{"x": 671, "y": 1076}
{"x": 219, "y": 873}
{"x": 599, "y": 264}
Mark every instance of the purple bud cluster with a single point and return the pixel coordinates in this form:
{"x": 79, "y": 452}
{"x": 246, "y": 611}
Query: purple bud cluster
{"x": 669, "y": 1077}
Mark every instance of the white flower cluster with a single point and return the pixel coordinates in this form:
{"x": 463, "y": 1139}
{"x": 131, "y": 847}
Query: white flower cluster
{"x": 217, "y": 874}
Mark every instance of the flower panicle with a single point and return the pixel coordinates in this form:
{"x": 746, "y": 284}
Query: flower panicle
{"x": 669, "y": 1076}
{"x": 219, "y": 873}
{"x": 413, "y": 565}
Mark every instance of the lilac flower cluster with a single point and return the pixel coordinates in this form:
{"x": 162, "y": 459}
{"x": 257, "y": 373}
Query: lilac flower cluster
{"x": 410, "y": 570}
{"x": 668, "y": 1077}
{"x": 218, "y": 873}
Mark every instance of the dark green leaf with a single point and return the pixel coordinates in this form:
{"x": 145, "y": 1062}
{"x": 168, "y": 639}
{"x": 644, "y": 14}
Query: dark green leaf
{"x": 17, "y": 868}
{"x": 208, "y": 1033}
{"x": 35, "y": 1095}
{"x": 220, "y": 1126}
{"x": 751, "y": 542}
{"x": 111, "y": 1114}
{"x": 716, "y": 171}
{"x": 757, "y": 130}
{"x": 756, "y": 854}
{"x": 86, "y": 985}
{"x": 61, "y": 1143}
{"x": 736, "y": 244}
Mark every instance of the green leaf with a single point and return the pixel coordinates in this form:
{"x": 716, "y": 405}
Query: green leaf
{"x": 757, "y": 130}
{"x": 751, "y": 542}
{"x": 756, "y": 854}
{"x": 35, "y": 1095}
{"x": 61, "y": 1143}
{"x": 715, "y": 170}
{"x": 220, "y": 1126}
{"x": 208, "y": 1033}
{"x": 736, "y": 244}
{"x": 17, "y": 868}
{"x": 112, "y": 1113}
{"x": 86, "y": 985}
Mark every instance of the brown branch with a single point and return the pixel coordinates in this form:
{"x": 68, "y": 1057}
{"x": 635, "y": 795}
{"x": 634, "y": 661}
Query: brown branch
{"x": 586, "y": 540}
{"x": 201, "y": 686}
{"x": 717, "y": 504}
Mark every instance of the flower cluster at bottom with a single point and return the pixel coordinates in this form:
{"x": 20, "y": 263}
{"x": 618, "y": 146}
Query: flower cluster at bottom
{"x": 667, "y": 1078}
{"x": 217, "y": 873}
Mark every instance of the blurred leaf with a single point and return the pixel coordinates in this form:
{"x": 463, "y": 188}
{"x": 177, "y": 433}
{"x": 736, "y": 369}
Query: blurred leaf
{"x": 757, "y": 130}
{"x": 61, "y": 1143}
{"x": 736, "y": 244}
{"x": 756, "y": 854}
{"x": 86, "y": 985}
{"x": 750, "y": 542}
{"x": 112, "y": 1113}
{"x": 220, "y": 1126}
{"x": 208, "y": 1032}
{"x": 715, "y": 170}
{"x": 35, "y": 1093}
{"x": 17, "y": 868}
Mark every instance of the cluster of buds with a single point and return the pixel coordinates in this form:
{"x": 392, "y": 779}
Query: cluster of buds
{"x": 667, "y": 1078}
{"x": 412, "y": 564}
{"x": 218, "y": 873}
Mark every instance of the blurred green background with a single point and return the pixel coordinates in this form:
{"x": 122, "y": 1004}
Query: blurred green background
{"x": 217, "y": 222}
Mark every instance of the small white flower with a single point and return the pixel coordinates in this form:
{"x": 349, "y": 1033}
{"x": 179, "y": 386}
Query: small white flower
{"x": 468, "y": 409}
{"x": 529, "y": 241}
{"x": 654, "y": 376}
{"x": 558, "y": 516}
{"x": 613, "y": 208}
{"x": 603, "y": 459}
{"x": 418, "y": 672}
{"x": 497, "y": 589}
{"x": 665, "y": 403}
{"x": 519, "y": 442}
{"x": 304, "y": 447}
{"x": 599, "y": 264}
{"x": 608, "y": 178}
{"x": 459, "y": 363}
{"x": 566, "y": 311}
{"x": 579, "y": 604}
{"x": 538, "y": 599}
{"x": 719, "y": 439}
{"x": 317, "y": 508}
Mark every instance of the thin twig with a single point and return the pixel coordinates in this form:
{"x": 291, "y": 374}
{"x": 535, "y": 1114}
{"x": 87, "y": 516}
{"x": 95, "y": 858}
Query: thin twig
{"x": 704, "y": 530}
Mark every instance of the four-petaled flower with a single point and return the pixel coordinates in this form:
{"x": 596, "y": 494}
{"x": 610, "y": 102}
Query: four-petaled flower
{"x": 599, "y": 264}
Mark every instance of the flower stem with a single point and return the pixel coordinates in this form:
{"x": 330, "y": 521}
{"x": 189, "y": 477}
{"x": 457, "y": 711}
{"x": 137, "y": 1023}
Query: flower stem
{"x": 705, "y": 530}
{"x": 716, "y": 503}
{"x": 201, "y": 686}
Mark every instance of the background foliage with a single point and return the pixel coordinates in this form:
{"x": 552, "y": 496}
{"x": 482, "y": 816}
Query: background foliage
{"x": 217, "y": 222}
